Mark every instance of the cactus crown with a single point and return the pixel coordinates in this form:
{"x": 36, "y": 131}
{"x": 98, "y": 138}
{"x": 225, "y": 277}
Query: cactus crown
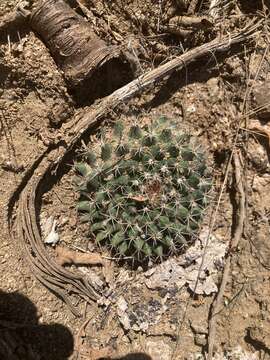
{"x": 144, "y": 191}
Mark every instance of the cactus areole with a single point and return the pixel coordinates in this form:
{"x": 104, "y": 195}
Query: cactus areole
{"x": 144, "y": 190}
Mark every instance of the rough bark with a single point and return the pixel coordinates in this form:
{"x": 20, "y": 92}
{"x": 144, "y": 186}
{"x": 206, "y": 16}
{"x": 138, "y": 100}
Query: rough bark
{"x": 76, "y": 49}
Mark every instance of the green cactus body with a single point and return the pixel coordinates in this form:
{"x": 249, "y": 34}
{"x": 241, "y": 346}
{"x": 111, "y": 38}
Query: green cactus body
{"x": 144, "y": 191}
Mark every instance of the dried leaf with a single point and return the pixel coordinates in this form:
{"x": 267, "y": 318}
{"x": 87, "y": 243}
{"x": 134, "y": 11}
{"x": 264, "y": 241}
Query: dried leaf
{"x": 67, "y": 256}
{"x": 139, "y": 198}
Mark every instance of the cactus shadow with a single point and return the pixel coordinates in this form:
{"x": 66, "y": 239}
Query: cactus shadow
{"x": 23, "y": 338}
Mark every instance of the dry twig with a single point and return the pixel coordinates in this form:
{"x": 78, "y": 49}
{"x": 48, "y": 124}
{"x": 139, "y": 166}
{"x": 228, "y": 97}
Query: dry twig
{"x": 91, "y": 353}
{"x": 214, "y": 8}
{"x": 192, "y": 6}
{"x": 242, "y": 212}
{"x": 217, "y": 304}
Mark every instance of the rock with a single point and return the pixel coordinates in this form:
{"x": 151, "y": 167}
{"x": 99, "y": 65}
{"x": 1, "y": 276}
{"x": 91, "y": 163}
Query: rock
{"x": 236, "y": 353}
{"x": 198, "y": 326}
{"x": 234, "y": 67}
{"x": 257, "y": 155}
{"x": 158, "y": 347}
{"x": 214, "y": 89}
{"x": 185, "y": 269}
{"x": 260, "y": 100}
{"x": 200, "y": 339}
{"x": 122, "y": 307}
{"x": 260, "y": 335}
{"x": 60, "y": 113}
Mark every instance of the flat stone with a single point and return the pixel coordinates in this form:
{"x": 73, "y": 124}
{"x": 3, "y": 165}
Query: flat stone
{"x": 200, "y": 339}
{"x": 198, "y": 326}
{"x": 260, "y": 100}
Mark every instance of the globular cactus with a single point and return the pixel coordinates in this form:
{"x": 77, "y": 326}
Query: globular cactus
{"x": 144, "y": 191}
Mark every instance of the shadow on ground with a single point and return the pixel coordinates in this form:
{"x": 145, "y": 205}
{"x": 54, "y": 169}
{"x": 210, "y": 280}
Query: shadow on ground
{"x": 22, "y": 338}
{"x": 132, "y": 356}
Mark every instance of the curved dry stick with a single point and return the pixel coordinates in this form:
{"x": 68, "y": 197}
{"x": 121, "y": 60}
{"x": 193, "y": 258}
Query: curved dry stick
{"x": 47, "y": 271}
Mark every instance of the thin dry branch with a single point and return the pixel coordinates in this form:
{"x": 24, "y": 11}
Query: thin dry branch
{"x": 214, "y": 8}
{"x": 217, "y": 304}
{"x": 29, "y": 192}
{"x": 212, "y": 326}
{"x": 153, "y": 77}
{"x": 192, "y": 6}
